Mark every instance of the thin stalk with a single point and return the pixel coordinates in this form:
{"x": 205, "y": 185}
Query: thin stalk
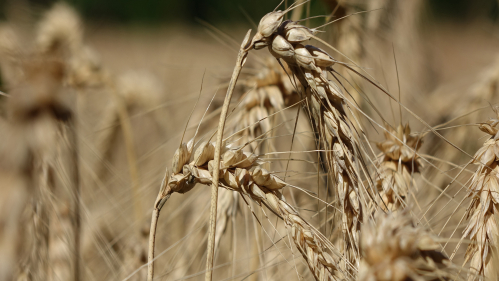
{"x": 42, "y": 227}
{"x": 241, "y": 59}
{"x": 152, "y": 242}
{"x": 163, "y": 195}
{"x": 75, "y": 178}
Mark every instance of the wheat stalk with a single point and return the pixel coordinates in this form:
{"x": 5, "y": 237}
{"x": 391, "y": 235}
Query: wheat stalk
{"x": 241, "y": 59}
{"x": 182, "y": 156}
{"x": 266, "y": 93}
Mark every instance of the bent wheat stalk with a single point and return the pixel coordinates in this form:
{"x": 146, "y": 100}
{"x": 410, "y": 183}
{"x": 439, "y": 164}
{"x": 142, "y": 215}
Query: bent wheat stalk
{"x": 180, "y": 158}
{"x": 163, "y": 195}
{"x": 241, "y": 59}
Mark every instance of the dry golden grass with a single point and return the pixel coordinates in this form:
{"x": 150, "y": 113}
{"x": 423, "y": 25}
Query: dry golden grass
{"x": 304, "y": 193}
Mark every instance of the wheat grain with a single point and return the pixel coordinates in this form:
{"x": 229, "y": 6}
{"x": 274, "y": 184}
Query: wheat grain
{"x": 60, "y": 35}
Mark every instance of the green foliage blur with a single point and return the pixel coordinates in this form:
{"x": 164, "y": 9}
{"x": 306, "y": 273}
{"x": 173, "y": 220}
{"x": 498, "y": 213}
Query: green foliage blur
{"x": 160, "y": 11}
{"x": 231, "y": 11}
{"x": 464, "y": 9}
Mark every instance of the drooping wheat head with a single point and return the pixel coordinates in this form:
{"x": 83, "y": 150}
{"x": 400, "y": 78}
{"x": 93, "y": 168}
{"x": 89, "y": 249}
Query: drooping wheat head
{"x": 327, "y": 107}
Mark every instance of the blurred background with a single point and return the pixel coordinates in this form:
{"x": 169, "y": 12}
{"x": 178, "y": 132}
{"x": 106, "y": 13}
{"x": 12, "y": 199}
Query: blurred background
{"x": 221, "y": 11}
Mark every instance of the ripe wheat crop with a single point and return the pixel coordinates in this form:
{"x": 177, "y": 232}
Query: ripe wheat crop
{"x": 318, "y": 168}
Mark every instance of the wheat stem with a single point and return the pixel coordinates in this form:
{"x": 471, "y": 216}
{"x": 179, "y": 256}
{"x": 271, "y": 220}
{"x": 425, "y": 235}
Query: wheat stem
{"x": 241, "y": 59}
{"x": 152, "y": 241}
{"x": 75, "y": 178}
{"x": 163, "y": 195}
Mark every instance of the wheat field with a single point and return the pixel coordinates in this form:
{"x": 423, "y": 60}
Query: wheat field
{"x": 358, "y": 143}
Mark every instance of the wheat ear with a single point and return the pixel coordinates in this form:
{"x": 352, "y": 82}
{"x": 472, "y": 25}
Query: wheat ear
{"x": 241, "y": 172}
{"x": 482, "y": 226}
{"x": 327, "y": 106}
